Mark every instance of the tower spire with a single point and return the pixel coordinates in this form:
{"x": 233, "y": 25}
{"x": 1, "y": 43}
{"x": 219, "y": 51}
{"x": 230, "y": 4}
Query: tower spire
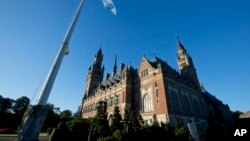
{"x": 186, "y": 65}
{"x": 98, "y": 59}
{"x": 99, "y": 52}
{"x": 180, "y": 46}
{"x": 115, "y": 66}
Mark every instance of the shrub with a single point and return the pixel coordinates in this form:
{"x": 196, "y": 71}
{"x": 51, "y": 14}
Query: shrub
{"x": 108, "y": 138}
{"x": 62, "y": 125}
{"x": 78, "y": 124}
{"x": 117, "y": 134}
{"x": 59, "y": 135}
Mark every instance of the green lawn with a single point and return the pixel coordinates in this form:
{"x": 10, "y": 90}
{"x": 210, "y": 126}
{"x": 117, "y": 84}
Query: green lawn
{"x": 14, "y": 135}
{"x": 8, "y": 135}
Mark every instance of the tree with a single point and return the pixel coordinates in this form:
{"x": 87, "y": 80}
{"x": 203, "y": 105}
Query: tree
{"x": 6, "y": 112}
{"x": 66, "y": 115}
{"x": 181, "y": 133}
{"x": 141, "y": 121}
{"x": 100, "y": 122}
{"x": 117, "y": 135}
{"x": 77, "y": 114}
{"x": 116, "y": 121}
{"x": 5, "y": 105}
{"x": 134, "y": 125}
{"x": 20, "y": 106}
{"x": 126, "y": 120}
{"x": 79, "y": 124}
{"x": 236, "y": 114}
{"x": 53, "y": 118}
{"x": 131, "y": 122}
{"x": 154, "y": 133}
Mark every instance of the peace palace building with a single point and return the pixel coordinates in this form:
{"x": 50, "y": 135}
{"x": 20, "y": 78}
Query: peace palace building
{"x": 154, "y": 88}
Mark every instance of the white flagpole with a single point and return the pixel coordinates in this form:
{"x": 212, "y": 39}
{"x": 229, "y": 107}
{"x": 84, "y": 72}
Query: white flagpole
{"x": 35, "y": 114}
{"x": 44, "y": 95}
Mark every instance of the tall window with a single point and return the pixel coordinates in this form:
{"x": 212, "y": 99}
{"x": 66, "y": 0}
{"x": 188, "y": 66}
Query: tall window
{"x": 147, "y": 103}
{"x": 113, "y": 101}
{"x": 157, "y": 94}
{"x": 186, "y": 105}
{"x": 109, "y": 102}
{"x": 144, "y": 73}
{"x": 118, "y": 99}
{"x": 174, "y": 101}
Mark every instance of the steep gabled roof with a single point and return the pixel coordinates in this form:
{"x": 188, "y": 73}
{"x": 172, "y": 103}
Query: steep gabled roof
{"x": 156, "y": 60}
{"x": 118, "y": 76}
{"x": 142, "y": 61}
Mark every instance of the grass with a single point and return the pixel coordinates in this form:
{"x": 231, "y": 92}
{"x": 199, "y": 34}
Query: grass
{"x": 8, "y": 135}
{"x": 43, "y": 134}
{"x": 15, "y": 135}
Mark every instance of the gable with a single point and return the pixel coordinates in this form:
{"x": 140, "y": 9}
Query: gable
{"x": 144, "y": 64}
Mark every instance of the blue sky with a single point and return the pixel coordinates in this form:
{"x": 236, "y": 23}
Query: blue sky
{"x": 215, "y": 33}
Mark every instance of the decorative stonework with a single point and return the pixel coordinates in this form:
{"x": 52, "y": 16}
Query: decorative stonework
{"x": 154, "y": 88}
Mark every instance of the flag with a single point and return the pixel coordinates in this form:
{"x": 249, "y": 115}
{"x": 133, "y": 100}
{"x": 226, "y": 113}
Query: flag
{"x": 108, "y": 4}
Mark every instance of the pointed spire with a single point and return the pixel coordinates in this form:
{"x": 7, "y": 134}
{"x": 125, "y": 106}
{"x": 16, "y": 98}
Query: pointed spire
{"x": 180, "y": 46}
{"x": 98, "y": 59}
{"x": 99, "y": 52}
{"x": 115, "y": 66}
{"x": 186, "y": 65}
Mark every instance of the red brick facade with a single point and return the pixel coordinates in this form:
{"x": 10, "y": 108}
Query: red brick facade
{"x": 154, "y": 88}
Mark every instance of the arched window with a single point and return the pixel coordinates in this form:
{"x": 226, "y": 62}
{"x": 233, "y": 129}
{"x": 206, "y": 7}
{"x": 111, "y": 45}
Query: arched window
{"x": 147, "y": 103}
{"x": 174, "y": 101}
{"x": 186, "y": 105}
